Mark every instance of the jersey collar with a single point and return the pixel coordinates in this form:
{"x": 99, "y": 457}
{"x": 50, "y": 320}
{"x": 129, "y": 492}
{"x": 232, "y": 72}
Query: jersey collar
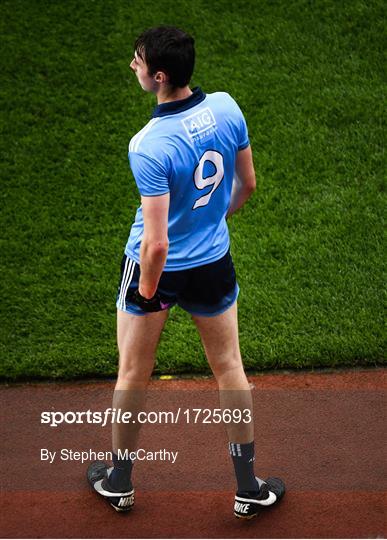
{"x": 180, "y": 105}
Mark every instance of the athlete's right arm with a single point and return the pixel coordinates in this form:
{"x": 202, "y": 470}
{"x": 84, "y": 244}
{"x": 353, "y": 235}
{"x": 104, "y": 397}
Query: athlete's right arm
{"x": 245, "y": 182}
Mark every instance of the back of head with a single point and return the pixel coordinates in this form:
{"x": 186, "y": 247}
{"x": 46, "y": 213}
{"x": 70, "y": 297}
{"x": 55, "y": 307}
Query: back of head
{"x": 170, "y": 50}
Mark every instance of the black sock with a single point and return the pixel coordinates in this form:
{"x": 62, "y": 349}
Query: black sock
{"x": 243, "y": 459}
{"x": 119, "y": 478}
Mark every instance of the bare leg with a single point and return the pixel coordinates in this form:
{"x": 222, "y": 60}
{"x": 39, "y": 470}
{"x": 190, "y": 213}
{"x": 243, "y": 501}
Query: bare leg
{"x": 219, "y": 336}
{"x": 137, "y": 338}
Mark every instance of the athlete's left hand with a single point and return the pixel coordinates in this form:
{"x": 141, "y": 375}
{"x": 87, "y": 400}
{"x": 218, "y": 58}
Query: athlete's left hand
{"x": 150, "y": 305}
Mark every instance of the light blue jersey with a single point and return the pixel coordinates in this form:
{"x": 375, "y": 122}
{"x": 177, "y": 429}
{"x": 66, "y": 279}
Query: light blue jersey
{"x": 188, "y": 149}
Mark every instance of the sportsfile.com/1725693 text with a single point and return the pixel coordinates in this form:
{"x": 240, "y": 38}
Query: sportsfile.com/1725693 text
{"x": 112, "y": 415}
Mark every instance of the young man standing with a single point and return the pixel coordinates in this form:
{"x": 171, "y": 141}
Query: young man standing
{"x": 193, "y": 166}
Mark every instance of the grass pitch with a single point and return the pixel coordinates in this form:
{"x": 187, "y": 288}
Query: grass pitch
{"x": 308, "y": 246}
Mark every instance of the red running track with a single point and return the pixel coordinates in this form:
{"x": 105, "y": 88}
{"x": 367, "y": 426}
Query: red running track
{"x": 324, "y": 433}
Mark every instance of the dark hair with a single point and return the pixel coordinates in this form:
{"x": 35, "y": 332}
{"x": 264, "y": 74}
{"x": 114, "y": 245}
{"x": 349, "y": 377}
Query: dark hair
{"x": 167, "y": 49}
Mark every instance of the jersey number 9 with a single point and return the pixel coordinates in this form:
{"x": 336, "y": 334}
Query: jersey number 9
{"x": 214, "y": 180}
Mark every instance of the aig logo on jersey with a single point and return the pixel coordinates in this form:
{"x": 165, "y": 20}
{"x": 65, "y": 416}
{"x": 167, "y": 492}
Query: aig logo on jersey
{"x": 200, "y": 124}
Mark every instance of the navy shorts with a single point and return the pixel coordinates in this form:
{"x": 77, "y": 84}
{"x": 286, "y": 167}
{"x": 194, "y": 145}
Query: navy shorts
{"x": 206, "y": 290}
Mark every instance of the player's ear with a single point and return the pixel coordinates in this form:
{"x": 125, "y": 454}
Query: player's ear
{"x": 161, "y": 77}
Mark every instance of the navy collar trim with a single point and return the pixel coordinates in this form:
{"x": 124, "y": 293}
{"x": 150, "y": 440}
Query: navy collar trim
{"x": 180, "y": 105}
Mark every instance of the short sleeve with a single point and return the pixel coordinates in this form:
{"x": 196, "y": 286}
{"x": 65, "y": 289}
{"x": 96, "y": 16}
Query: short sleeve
{"x": 243, "y": 140}
{"x": 150, "y": 176}
{"x": 241, "y": 132}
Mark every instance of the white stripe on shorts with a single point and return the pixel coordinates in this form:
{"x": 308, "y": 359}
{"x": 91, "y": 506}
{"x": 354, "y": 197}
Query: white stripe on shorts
{"x": 126, "y": 279}
{"x": 123, "y": 281}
